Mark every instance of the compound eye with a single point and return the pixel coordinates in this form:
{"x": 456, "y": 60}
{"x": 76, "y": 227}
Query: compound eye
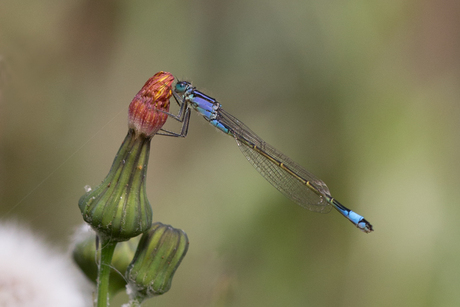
{"x": 182, "y": 86}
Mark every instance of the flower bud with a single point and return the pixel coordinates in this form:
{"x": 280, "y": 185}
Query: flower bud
{"x": 118, "y": 209}
{"x": 84, "y": 255}
{"x": 143, "y": 115}
{"x": 158, "y": 255}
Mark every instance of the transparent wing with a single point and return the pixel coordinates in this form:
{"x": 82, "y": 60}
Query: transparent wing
{"x": 266, "y": 160}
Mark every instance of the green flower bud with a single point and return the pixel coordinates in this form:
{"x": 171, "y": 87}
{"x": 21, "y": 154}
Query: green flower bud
{"x": 84, "y": 255}
{"x": 118, "y": 209}
{"x": 158, "y": 255}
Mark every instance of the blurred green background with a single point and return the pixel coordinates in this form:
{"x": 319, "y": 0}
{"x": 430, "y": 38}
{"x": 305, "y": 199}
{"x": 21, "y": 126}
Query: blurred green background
{"x": 364, "y": 94}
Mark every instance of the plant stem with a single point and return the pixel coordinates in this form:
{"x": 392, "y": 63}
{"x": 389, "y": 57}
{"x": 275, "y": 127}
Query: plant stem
{"x": 107, "y": 249}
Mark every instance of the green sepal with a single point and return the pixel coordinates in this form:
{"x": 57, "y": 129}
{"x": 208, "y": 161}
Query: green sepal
{"x": 159, "y": 254}
{"x": 118, "y": 208}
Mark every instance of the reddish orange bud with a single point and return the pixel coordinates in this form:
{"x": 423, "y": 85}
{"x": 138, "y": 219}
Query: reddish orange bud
{"x": 144, "y": 115}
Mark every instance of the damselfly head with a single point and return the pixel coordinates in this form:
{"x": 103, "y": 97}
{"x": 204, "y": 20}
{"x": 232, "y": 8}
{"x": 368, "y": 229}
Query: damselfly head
{"x": 182, "y": 86}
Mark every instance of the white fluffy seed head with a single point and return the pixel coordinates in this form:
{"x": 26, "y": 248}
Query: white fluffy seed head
{"x": 35, "y": 274}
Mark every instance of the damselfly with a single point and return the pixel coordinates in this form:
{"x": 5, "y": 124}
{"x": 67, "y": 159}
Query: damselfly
{"x": 284, "y": 174}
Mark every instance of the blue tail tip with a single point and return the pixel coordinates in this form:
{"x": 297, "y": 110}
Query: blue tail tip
{"x": 365, "y": 226}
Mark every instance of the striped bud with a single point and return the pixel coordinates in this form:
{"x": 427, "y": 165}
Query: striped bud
{"x": 118, "y": 209}
{"x": 159, "y": 254}
{"x": 144, "y": 114}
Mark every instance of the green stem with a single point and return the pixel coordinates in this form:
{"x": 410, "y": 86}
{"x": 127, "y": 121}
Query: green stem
{"x": 107, "y": 249}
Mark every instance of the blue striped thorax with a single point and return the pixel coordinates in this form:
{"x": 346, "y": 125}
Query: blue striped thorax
{"x": 202, "y": 103}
